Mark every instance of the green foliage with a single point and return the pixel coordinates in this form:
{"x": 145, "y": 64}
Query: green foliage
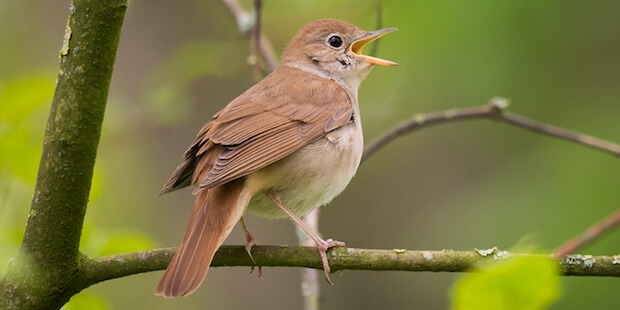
{"x": 527, "y": 283}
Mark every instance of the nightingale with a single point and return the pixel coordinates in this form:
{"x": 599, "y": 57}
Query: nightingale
{"x": 287, "y": 145}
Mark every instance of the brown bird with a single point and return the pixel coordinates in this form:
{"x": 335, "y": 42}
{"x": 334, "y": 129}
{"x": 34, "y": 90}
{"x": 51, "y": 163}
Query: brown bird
{"x": 288, "y": 145}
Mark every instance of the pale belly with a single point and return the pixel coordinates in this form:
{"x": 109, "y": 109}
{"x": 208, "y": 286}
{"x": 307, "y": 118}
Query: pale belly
{"x": 311, "y": 177}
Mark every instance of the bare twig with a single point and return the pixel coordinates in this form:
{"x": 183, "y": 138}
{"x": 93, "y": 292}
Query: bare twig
{"x": 245, "y": 24}
{"x": 592, "y": 233}
{"x": 245, "y": 21}
{"x": 268, "y": 54}
{"x": 495, "y": 111}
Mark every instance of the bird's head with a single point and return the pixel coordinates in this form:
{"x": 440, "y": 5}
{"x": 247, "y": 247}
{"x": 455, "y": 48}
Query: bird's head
{"x": 333, "y": 48}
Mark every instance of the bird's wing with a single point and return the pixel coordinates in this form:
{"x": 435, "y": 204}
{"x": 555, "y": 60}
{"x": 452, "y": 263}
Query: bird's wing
{"x": 269, "y": 121}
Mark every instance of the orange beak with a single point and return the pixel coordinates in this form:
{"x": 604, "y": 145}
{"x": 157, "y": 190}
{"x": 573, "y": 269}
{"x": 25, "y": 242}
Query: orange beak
{"x": 356, "y": 47}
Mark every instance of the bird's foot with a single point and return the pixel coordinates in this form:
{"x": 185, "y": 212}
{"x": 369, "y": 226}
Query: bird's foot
{"x": 322, "y": 246}
{"x": 250, "y": 242}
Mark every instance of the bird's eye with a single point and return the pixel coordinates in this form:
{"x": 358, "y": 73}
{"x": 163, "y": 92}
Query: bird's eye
{"x": 334, "y": 41}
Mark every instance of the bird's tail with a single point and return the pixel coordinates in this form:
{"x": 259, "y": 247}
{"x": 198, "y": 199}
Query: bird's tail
{"x": 214, "y": 214}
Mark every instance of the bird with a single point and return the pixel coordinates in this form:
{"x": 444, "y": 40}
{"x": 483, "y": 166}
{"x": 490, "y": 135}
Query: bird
{"x": 287, "y": 145}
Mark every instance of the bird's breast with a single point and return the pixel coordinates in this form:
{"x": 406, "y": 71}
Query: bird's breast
{"x": 310, "y": 177}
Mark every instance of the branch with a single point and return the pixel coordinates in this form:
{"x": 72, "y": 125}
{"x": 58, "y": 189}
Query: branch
{"x": 495, "y": 110}
{"x": 116, "y": 266}
{"x": 95, "y": 270}
{"x": 245, "y": 24}
{"x": 592, "y": 233}
{"x": 48, "y": 259}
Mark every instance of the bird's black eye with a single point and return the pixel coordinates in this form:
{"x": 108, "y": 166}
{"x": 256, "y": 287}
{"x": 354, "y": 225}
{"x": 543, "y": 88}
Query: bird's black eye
{"x": 334, "y": 41}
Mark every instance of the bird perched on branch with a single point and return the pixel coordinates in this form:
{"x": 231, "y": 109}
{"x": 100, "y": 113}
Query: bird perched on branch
{"x": 288, "y": 145}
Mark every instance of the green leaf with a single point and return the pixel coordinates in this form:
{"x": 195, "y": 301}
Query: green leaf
{"x": 517, "y": 283}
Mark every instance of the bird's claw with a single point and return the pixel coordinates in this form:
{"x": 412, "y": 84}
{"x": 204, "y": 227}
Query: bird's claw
{"x": 322, "y": 247}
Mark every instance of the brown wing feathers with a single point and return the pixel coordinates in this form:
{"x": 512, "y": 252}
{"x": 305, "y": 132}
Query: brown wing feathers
{"x": 264, "y": 115}
{"x": 238, "y": 161}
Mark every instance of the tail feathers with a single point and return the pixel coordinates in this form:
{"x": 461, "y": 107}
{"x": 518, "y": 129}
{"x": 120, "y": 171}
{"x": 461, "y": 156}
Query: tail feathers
{"x": 213, "y": 216}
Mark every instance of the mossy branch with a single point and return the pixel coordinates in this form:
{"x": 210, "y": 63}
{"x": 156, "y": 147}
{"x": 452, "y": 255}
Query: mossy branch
{"x": 43, "y": 275}
{"x": 116, "y": 266}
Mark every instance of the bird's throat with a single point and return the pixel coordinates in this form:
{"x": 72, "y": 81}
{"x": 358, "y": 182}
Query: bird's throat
{"x": 350, "y": 82}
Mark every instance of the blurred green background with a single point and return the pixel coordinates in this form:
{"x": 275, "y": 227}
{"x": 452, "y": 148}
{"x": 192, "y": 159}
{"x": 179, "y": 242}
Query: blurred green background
{"x": 459, "y": 186}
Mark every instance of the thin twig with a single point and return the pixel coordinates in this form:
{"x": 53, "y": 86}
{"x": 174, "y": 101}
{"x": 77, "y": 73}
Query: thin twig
{"x": 561, "y": 133}
{"x": 268, "y": 54}
{"x": 243, "y": 18}
{"x": 245, "y": 24}
{"x": 495, "y": 111}
{"x": 592, "y": 233}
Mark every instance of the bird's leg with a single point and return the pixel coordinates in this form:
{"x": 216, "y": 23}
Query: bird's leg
{"x": 250, "y": 242}
{"x": 321, "y": 245}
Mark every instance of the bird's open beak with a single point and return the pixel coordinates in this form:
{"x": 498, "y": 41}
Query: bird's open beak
{"x": 356, "y": 47}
